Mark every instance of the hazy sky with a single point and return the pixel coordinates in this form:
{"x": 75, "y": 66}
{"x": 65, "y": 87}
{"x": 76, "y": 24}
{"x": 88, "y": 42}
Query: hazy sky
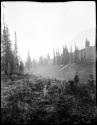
{"x": 40, "y": 27}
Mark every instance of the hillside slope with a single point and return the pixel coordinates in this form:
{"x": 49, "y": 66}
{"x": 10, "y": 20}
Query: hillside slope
{"x": 67, "y": 72}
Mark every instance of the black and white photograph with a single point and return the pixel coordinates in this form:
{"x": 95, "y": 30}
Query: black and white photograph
{"x": 48, "y": 62}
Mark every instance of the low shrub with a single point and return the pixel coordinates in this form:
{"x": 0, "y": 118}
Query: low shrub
{"x": 24, "y": 103}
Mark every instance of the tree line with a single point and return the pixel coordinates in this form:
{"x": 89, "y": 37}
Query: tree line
{"x": 31, "y": 64}
{"x": 11, "y": 63}
{"x": 64, "y": 58}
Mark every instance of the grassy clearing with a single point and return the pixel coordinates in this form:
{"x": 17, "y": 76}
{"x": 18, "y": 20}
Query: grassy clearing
{"x": 61, "y": 73}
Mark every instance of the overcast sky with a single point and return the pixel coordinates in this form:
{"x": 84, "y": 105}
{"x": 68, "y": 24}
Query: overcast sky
{"x": 40, "y": 27}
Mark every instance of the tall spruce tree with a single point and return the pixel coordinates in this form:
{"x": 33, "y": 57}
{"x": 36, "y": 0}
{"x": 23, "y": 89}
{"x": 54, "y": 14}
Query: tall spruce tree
{"x": 58, "y": 58}
{"x": 16, "y": 61}
{"x": 66, "y": 53}
{"x": 81, "y": 58}
{"x": 71, "y": 55}
{"x": 78, "y": 55}
{"x": 63, "y": 56}
{"x": 75, "y": 54}
{"x": 54, "y": 60}
{"x": 7, "y": 55}
{"x": 1, "y": 49}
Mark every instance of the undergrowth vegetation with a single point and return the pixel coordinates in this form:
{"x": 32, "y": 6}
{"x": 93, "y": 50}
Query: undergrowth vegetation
{"x": 25, "y": 103}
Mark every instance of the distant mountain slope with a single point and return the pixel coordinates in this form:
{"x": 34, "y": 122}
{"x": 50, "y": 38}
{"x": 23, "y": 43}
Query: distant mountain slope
{"x": 67, "y": 73}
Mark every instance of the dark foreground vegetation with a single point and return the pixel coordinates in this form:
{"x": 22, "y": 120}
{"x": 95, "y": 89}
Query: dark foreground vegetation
{"x": 24, "y": 102}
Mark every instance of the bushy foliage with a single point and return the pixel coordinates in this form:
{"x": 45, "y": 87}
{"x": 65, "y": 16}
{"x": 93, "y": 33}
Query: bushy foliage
{"x": 24, "y": 103}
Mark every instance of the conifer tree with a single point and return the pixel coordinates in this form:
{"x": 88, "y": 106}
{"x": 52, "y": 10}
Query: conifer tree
{"x": 66, "y": 55}
{"x": 75, "y": 54}
{"x": 7, "y": 54}
{"x": 58, "y": 58}
{"x": 28, "y": 63}
{"x": 81, "y": 57}
{"x": 54, "y": 57}
{"x": 71, "y": 55}
{"x": 63, "y": 56}
{"x": 41, "y": 61}
{"x": 16, "y": 63}
{"x": 21, "y": 67}
{"x": 48, "y": 58}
